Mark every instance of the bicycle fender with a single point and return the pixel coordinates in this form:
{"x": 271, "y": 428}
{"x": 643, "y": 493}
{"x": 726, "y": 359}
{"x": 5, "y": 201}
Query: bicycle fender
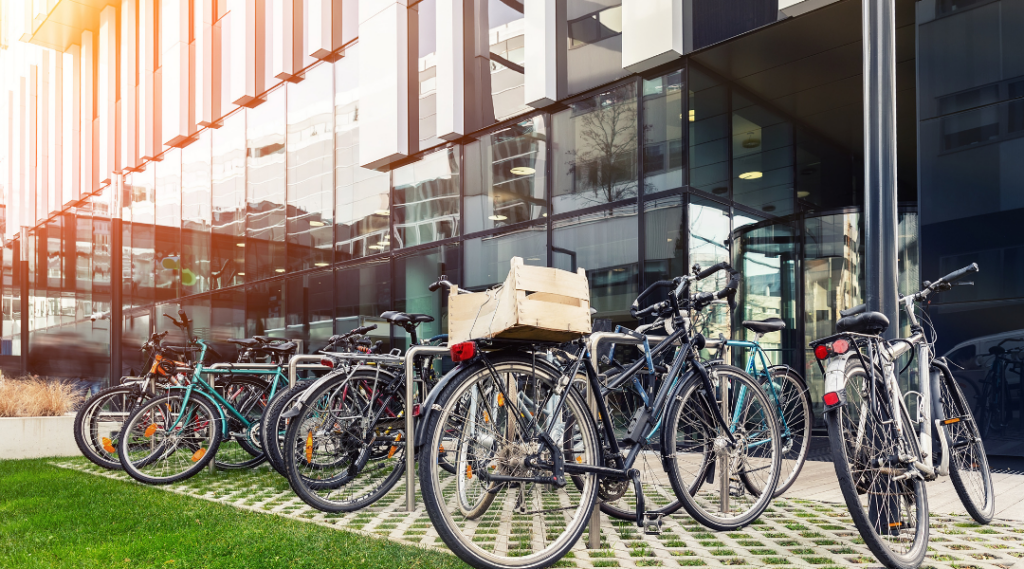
{"x": 835, "y": 374}
{"x": 300, "y": 404}
{"x": 426, "y": 409}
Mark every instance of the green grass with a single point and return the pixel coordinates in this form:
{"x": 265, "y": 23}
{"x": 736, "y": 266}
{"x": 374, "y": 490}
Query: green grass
{"x": 53, "y": 517}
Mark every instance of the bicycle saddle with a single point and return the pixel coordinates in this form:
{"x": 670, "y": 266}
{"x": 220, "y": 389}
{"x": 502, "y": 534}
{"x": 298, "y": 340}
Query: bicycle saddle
{"x": 247, "y": 342}
{"x": 765, "y": 326}
{"x": 403, "y": 319}
{"x": 282, "y": 349}
{"x": 863, "y": 323}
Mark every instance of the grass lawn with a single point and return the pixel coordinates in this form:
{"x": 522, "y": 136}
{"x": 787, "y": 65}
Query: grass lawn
{"x": 53, "y": 517}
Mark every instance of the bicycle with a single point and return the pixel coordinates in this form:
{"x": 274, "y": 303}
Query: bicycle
{"x": 881, "y": 459}
{"x": 531, "y": 456}
{"x": 993, "y": 400}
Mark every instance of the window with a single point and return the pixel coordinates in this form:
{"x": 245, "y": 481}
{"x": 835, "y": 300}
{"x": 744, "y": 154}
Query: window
{"x": 265, "y": 188}
{"x": 228, "y": 210}
{"x": 426, "y": 196}
{"x": 195, "y": 216}
{"x": 663, "y": 132}
{"x": 595, "y": 27}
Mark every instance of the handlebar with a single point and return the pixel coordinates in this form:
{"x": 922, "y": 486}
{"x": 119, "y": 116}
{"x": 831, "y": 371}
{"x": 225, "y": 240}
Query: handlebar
{"x": 441, "y": 281}
{"x": 961, "y": 273}
{"x": 729, "y": 292}
{"x": 855, "y": 310}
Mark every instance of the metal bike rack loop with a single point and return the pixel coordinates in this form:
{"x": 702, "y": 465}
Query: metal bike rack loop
{"x": 410, "y": 440}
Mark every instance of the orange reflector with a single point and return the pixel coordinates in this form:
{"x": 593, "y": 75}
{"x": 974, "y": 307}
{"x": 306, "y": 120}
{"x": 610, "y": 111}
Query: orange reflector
{"x": 150, "y": 430}
{"x": 895, "y": 524}
{"x": 309, "y": 447}
{"x": 469, "y": 471}
{"x": 579, "y": 459}
{"x": 391, "y": 452}
{"x": 501, "y": 400}
{"x": 441, "y": 448}
{"x": 108, "y": 445}
{"x": 951, "y": 421}
{"x": 198, "y": 455}
{"x": 487, "y": 417}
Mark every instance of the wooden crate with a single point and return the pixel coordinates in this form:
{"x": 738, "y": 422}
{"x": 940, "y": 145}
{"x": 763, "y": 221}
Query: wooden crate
{"x": 534, "y": 303}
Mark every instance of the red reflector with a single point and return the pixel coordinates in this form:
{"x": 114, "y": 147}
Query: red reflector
{"x": 463, "y": 351}
{"x": 327, "y": 363}
{"x": 840, "y": 346}
{"x": 821, "y": 352}
{"x": 831, "y": 398}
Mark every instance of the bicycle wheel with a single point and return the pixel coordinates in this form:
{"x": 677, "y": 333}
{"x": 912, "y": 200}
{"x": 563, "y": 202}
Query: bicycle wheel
{"x": 273, "y": 427}
{"x": 968, "y": 464}
{"x": 723, "y": 486}
{"x": 347, "y": 447}
{"x": 890, "y": 513}
{"x": 98, "y": 423}
{"x": 170, "y": 437}
{"x": 523, "y": 524}
{"x": 789, "y": 395}
{"x": 242, "y": 448}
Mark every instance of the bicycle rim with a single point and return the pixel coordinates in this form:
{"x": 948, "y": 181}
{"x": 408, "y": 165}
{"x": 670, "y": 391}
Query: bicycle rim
{"x": 968, "y": 465}
{"x": 794, "y": 406}
{"x": 98, "y": 425}
{"x": 240, "y": 448}
{"x": 523, "y": 524}
{"x": 168, "y": 439}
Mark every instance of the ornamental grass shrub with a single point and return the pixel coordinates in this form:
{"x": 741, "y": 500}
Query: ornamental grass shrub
{"x": 35, "y": 397}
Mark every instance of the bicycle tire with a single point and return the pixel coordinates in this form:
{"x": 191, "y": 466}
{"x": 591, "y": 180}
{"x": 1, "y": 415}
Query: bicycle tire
{"x": 502, "y": 545}
{"x": 871, "y": 438}
{"x": 273, "y": 423}
{"x": 693, "y": 434}
{"x": 201, "y": 425}
{"x": 241, "y": 447}
{"x": 796, "y": 408}
{"x": 968, "y": 464}
{"x": 90, "y": 427}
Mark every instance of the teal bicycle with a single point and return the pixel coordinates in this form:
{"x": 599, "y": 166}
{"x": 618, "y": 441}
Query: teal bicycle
{"x": 787, "y": 391}
{"x": 173, "y": 436}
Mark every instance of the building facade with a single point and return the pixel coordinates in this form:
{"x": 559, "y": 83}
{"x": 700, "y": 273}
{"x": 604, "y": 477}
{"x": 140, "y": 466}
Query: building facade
{"x": 296, "y": 167}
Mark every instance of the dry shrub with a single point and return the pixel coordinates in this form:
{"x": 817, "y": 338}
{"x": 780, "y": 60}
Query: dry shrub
{"x": 35, "y": 397}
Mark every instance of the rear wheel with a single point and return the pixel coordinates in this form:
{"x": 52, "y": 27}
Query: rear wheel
{"x": 968, "y": 464}
{"x": 241, "y": 447}
{"x": 99, "y": 422}
{"x": 789, "y": 394}
{"x": 273, "y": 426}
{"x": 890, "y": 512}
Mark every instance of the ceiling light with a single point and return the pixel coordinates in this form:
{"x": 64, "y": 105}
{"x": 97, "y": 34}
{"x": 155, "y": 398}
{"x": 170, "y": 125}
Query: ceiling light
{"x": 768, "y": 208}
{"x": 803, "y": 194}
{"x": 320, "y": 264}
{"x": 382, "y": 212}
{"x": 522, "y": 170}
{"x": 693, "y": 115}
{"x": 720, "y": 190}
{"x": 618, "y": 270}
{"x": 751, "y": 141}
{"x": 316, "y": 224}
{"x": 240, "y": 274}
{"x": 377, "y": 247}
{"x": 240, "y": 244}
{"x": 750, "y": 175}
{"x": 278, "y": 270}
{"x": 497, "y": 217}
{"x": 670, "y": 240}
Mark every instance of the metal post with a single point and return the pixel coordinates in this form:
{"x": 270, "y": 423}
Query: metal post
{"x": 594, "y": 541}
{"x": 880, "y": 224}
{"x": 410, "y": 436}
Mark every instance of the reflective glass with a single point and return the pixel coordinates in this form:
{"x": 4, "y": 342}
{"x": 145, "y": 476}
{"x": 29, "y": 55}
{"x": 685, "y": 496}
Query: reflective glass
{"x": 309, "y": 310}
{"x": 361, "y": 294}
{"x": 500, "y": 71}
{"x": 167, "y": 260}
{"x": 605, "y": 244}
{"x": 425, "y": 13}
{"x": 709, "y": 224}
{"x": 664, "y": 141}
{"x": 363, "y": 196}
{"x": 665, "y": 239}
{"x": 413, "y": 274}
{"x": 505, "y": 174}
{"x": 762, "y": 158}
{"x": 135, "y": 332}
{"x": 227, "y": 317}
{"x": 265, "y": 190}
{"x": 594, "y": 150}
{"x": 196, "y": 217}
{"x": 143, "y": 203}
{"x": 595, "y": 43}
{"x": 265, "y": 310}
{"x": 81, "y": 259}
{"x": 709, "y": 133}
{"x": 228, "y": 182}
{"x": 487, "y": 260}
{"x": 426, "y": 196}
{"x": 310, "y": 165}
{"x": 102, "y": 240}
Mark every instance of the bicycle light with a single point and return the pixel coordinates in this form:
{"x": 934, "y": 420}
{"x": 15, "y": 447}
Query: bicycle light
{"x": 822, "y": 352}
{"x": 840, "y": 346}
{"x": 463, "y": 351}
{"x": 327, "y": 362}
{"x": 834, "y": 399}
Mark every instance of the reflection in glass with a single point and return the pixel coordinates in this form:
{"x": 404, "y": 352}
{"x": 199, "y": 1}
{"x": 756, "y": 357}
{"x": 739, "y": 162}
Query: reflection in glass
{"x": 487, "y": 259}
{"x": 426, "y": 17}
{"x": 362, "y": 206}
{"x": 167, "y": 259}
{"x": 709, "y": 133}
{"x": 594, "y": 150}
{"x": 505, "y": 173}
{"x": 506, "y": 57}
{"x": 264, "y": 310}
{"x": 195, "y": 216}
{"x": 361, "y": 295}
{"x": 762, "y": 158}
{"x": 310, "y": 164}
{"x": 605, "y": 244}
{"x": 227, "y": 315}
{"x": 665, "y": 239}
{"x": 101, "y": 247}
{"x": 664, "y": 145}
{"x": 228, "y": 181}
{"x": 142, "y": 196}
{"x": 413, "y": 274}
{"x": 309, "y": 311}
{"x": 710, "y": 225}
{"x": 265, "y": 188}
{"x": 427, "y": 199}
{"x": 595, "y": 43}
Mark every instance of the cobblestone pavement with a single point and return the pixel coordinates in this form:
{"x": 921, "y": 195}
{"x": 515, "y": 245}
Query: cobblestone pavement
{"x": 792, "y": 533}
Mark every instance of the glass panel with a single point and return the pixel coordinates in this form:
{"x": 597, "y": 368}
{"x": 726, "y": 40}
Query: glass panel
{"x": 196, "y": 218}
{"x": 82, "y": 259}
{"x": 487, "y": 260}
{"x": 134, "y": 333}
{"x": 361, "y": 294}
{"x": 709, "y": 134}
{"x": 310, "y": 165}
{"x": 665, "y": 240}
{"x": 143, "y": 204}
{"x": 594, "y": 150}
{"x": 228, "y": 181}
{"x": 227, "y": 316}
{"x": 502, "y": 75}
{"x": 363, "y": 196}
{"x": 427, "y": 199}
{"x": 309, "y": 316}
{"x": 595, "y": 43}
{"x": 605, "y": 244}
{"x": 426, "y": 13}
{"x": 102, "y": 252}
{"x": 505, "y": 173}
{"x": 264, "y": 310}
{"x": 664, "y": 145}
{"x": 762, "y": 158}
{"x": 413, "y": 274}
{"x": 265, "y": 188}
{"x": 709, "y": 224}
{"x": 167, "y": 258}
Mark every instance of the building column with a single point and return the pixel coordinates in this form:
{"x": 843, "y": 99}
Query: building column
{"x": 880, "y": 232}
{"x": 116, "y": 317}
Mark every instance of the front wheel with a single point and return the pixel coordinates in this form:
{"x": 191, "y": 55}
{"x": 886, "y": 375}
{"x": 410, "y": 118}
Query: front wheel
{"x": 789, "y": 394}
{"x": 99, "y": 422}
{"x": 889, "y": 510}
{"x": 968, "y": 464}
{"x": 488, "y": 422}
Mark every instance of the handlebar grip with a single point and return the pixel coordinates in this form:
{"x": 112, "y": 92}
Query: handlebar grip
{"x": 634, "y": 310}
{"x": 855, "y": 310}
{"x": 176, "y": 323}
{"x": 433, "y": 287}
{"x": 713, "y": 269}
{"x": 959, "y": 274}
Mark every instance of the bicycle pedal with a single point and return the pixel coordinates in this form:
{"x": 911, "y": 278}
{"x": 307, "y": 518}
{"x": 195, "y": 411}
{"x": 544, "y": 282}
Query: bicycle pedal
{"x": 652, "y": 523}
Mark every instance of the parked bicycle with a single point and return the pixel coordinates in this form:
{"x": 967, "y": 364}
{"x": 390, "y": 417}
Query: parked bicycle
{"x": 882, "y": 454}
{"x": 993, "y": 404}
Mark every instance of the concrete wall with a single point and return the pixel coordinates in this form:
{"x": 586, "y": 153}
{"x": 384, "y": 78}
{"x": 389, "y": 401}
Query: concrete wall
{"x": 36, "y": 437}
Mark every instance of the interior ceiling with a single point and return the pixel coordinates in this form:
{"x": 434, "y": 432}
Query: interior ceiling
{"x": 809, "y": 68}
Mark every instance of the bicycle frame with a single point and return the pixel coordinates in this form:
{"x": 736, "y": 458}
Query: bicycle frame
{"x": 752, "y": 371}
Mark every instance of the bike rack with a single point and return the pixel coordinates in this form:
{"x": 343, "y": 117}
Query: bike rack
{"x": 410, "y": 439}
